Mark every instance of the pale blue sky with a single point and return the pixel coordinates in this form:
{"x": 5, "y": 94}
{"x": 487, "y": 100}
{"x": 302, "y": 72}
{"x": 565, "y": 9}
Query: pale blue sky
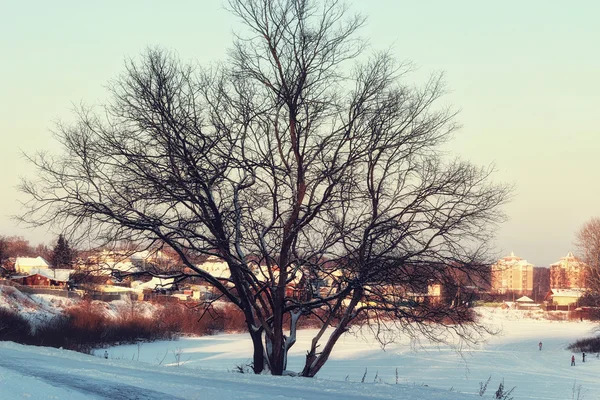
{"x": 525, "y": 75}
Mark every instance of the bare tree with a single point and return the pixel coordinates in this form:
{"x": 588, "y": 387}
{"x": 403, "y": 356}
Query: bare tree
{"x": 17, "y": 246}
{"x": 587, "y": 241}
{"x": 541, "y": 283}
{"x": 297, "y": 166}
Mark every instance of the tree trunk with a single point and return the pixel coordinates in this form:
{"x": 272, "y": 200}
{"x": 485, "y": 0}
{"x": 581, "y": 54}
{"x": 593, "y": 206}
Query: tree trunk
{"x": 258, "y": 357}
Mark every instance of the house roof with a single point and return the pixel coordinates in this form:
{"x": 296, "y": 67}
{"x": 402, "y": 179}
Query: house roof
{"x": 157, "y": 283}
{"x": 113, "y": 289}
{"x": 123, "y": 266}
{"x": 59, "y": 275}
{"x": 567, "y": 292}
{"x": 62, "y": 275}
{"x": 524, "y": 299}
{"x": 31, "y": 262}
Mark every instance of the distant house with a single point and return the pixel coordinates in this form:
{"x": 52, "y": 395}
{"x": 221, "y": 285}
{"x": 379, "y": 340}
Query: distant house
{"x": 24, "y": 265}
{"x": 564, "y": 297}
{"x": 41, "y": 277}
{"x": 216, "y": 267}
{"x": 108, "y": 261}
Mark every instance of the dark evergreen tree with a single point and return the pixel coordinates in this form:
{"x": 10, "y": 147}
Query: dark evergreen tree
{"x": 62, "y": 256}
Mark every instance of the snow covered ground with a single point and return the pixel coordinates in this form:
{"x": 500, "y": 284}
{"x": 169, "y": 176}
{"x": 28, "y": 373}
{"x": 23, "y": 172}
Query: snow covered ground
{"x": 151, "y": 371}
{"x": 28, "y": 372}
{"x": 513, "y": 356}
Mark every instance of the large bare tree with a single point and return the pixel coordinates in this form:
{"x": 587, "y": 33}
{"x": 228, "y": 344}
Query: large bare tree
{"x": 295, "y": 164}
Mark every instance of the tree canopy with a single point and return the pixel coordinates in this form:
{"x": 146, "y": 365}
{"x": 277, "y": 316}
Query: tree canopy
{"x": 313, "y": 170}
{"x": 587, "y": 240}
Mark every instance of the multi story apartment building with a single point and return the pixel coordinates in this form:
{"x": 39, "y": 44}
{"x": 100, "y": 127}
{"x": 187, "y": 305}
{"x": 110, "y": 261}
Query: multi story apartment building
{"x": 568, "y": 273}
{"x": 512, "y": 274}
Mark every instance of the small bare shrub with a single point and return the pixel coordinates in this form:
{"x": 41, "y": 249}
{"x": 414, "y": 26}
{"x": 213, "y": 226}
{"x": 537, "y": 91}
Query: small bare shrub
{"x": 13, "y": 327}
{"x": 576, "y": 393}
{"x": 483, "y": 386}
{"x": 586, "y": 345}
{"x": 502, "y": 393}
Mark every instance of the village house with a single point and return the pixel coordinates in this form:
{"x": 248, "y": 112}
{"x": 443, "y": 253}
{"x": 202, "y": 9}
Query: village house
{"x": 512, "y": 274}
{"x": 564, "y": 298}
{"x": 24, "y": 265}
{"x": 109, "y": 260}
{"x": 44, "y": 277}
{"x": 568, "y": 273}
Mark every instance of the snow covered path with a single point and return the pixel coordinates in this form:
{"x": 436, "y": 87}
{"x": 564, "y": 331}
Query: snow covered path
{"x": 101, "y": 385}
{"x": 28, "y": 372}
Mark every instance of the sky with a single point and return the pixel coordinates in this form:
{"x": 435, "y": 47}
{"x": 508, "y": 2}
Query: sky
{"x": 524, "y": 76}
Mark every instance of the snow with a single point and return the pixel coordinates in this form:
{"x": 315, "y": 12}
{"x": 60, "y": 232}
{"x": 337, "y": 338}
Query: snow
{"x": 575, "y": 293}
{"x": 524, "y": 299}
{"x": 30, "y": 262}
{"x": 38, "y": 308}
{"x": 28, "y": 372}
{"x": 61, "y": 275}
{"x": 201, "y": 367}
{"x": 155, "y": 283}
{"x": 512, "y": 355}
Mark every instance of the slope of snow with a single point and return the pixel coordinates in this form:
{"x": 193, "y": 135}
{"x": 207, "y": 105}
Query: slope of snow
{"x": 38, "y": 308}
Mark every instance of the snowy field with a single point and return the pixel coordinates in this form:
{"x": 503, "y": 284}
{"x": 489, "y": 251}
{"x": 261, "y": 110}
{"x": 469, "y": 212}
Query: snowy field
{"x": 151, "y": 370}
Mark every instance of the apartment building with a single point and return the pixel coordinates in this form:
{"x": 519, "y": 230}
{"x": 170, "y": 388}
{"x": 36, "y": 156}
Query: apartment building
{"x": 512, "y": 274}
{"x": 568, "y": 273}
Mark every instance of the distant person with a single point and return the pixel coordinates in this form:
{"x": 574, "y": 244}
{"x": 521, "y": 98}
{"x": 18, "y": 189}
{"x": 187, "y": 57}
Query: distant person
{"x": 540, "y": 345}
{"x": 583, "y": 357}
{"x": 572, "y": 361}
{"x": 106, "y": 354}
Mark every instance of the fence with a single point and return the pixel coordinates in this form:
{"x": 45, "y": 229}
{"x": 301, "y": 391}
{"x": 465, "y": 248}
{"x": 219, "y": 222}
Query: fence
{"x": 87, "y": 292}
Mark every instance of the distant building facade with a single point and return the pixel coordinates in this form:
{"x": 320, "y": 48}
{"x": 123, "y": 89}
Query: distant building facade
{"x": 569, "y": 273}
{"x": 512, "y": 274}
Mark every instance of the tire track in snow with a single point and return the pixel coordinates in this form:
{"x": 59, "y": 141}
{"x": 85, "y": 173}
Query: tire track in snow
{"x": 97, "y": 387}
